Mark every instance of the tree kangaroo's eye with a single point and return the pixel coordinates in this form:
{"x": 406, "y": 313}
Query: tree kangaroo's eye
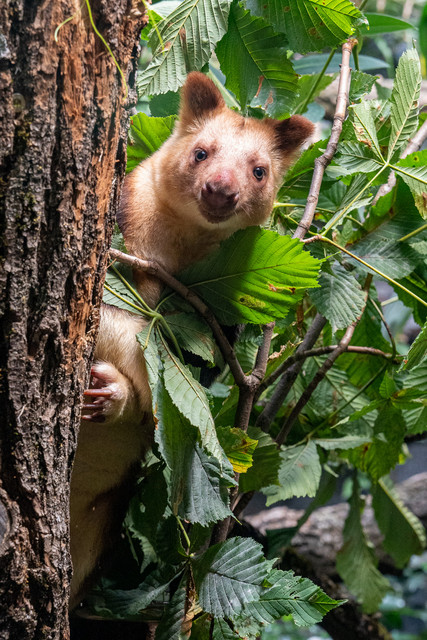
{"x": 259, "y": 173}
{"x": 200, "y": 155}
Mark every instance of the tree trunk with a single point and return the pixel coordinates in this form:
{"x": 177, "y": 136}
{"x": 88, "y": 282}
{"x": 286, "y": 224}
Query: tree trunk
{"x": 62, "y": 157}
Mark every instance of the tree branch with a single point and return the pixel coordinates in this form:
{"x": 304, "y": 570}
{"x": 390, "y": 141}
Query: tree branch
{"x": 324, "y": 160}
{"x": 321, "y": 351}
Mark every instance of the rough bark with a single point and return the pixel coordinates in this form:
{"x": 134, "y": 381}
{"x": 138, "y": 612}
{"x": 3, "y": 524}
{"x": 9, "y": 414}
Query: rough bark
{"x": 62, "y": 154}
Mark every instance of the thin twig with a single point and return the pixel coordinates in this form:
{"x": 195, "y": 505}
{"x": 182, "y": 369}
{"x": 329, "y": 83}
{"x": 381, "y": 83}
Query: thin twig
{"x": 324, "y": 160}
{"x": 319, "y": 351}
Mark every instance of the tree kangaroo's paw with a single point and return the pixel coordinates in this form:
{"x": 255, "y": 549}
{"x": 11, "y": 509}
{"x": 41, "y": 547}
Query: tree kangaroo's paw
{"x": 108, "y": 394}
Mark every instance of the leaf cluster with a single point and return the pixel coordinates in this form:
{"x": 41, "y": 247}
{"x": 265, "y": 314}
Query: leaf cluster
{"x": 350, "y": 419}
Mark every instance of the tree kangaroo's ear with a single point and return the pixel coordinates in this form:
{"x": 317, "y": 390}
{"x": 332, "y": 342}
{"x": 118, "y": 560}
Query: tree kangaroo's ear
{"x": 292, "y": 133}
{"x": 200, "y": 98}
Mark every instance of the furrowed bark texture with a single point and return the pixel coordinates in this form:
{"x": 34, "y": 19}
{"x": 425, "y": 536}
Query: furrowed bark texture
{"x": 62, "y": 155}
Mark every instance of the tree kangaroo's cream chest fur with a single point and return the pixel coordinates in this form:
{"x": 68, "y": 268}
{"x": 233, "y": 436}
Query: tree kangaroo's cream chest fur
{"x": 217, "y": 173}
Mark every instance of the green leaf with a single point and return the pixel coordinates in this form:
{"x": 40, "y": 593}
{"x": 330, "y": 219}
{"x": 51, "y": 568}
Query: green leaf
{"x": 298, "y": 178}
{"x": 193, "y": 334}
{"x": 361, "y": 83}
{"x": 172, "y": 621}
{"x": 365, "y": 129}
{"x": 404, "y": 102}
{"x": 229, "y": 575}
{"x": 315, "y": 63}
{"x": 367, "y": 333}
{"x": 404, "y": 534}
{"x": 129, "y": 603}
{"x": 356, "y": 562}
{"x": 380, "y": 23}
{"x": 423, "y": 32}
{"x": 266, "y": 463}
{"x": 291, "y": 595}
{"x": 190, "y": 398}
{"x": 222, "y": 631}
{"x": 354, "y": 158}
{"x": 149, "y": 345}
{"x": 418, "y": 351}
{"x": 166, "y": 7}
{"x": 413, "y": 170}
{"x": 417, "y": 377}
{"x": 255, "y": 277}
{"x": 382, "y": 454}
{"x": 310, "y": 25}
{"x": 238, "y": 447}
{"x": 187, "y": 38}
{"x": 394, "y": 259}
{"x": 120, "y": 291}
{"x": 146, "y": 135}
{"x": 299, "y": 473}
{"x": 198, "y": 488}
{"x": 254, "y": 59}
{"x": 308, "y": 84}
{"x": 165, "y": 104}
{"x": 340, "y": 298}
{"x": 345, "y": 442}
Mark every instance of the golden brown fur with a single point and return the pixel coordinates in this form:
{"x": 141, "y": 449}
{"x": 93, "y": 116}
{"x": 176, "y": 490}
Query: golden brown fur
{"x": 177, "y": 206}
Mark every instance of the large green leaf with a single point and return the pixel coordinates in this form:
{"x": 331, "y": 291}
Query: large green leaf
{"x": 146, "y": 135}
{"x": 190, "y": 398}
{"x": 229, "y": 575}
{"x": 356, "y": 562}
{"x": 413, "y": 170}
{"x": 187, "y": 38}
{"x": 404, "y": 535}
{"x": 256, "y": 276}
{"x": 404, "y": 101}
{"x": 198, "y": 487}
{"x": 255, "y": 62}
{"x": 310, "y": 25}
{"x": 290, "y": 595}
{"x": 299, "y": 473}
{"x": 340, "y": 298}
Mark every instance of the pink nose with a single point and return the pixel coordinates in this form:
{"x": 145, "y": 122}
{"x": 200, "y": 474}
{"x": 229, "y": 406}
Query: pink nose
{"x": 221, "y": 191}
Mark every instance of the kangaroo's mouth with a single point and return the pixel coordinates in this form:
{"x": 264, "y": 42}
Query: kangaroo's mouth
{"x": 217, "y": 216}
